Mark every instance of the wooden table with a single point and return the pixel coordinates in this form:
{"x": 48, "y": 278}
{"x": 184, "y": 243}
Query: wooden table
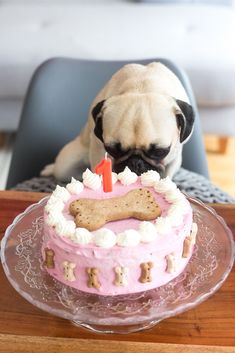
{"x": 24, "y": 328}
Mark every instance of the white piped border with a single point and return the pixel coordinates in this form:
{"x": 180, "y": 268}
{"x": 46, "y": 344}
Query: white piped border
{"x": 147, "y": 231}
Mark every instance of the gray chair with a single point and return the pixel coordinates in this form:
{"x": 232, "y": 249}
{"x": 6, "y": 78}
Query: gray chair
{"x": 56, "y": 108}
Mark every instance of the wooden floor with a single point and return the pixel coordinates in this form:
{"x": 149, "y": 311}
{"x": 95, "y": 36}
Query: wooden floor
{"x": 221, "y": 165}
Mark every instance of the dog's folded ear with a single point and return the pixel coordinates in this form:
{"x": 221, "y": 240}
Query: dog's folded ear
{"x": 97, "y": 116}
{"x": 185, "y": 119}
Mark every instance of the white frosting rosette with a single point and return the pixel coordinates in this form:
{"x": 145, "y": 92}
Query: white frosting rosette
{"x": 53, "y": 199}
{"x": 173, "y": 196}
{"x": 127, "y": 177}
{"x": 147, "y": 232}
{"x": 163, "y": 225}
{"x": 175, "y": 215}
{"x": 65, "y": 228}
{"x": 53, "y": 217}
{"x": 180, "y": 206}
{"x": 91, "y": 180}
{"x": 114, "y": 178}
{"x": 183, "y": 205}
{"x": 61, "y": 193}
{"x": 164, "y": 185}
{"x": 75, "y": 186}
{"x": 129, "y": 237}
{"x": 176, "y": 221}
{"x": 150, "y": 178}
{"x": 82, "y": 236}
{"x": 105, "y": 238}
{"x": 54, "y": 203}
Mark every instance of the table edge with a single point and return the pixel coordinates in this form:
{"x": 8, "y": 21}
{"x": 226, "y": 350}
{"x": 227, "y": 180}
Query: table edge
{"x": 38, "y": 344}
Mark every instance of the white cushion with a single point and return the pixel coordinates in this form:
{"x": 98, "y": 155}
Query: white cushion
{"x": 218, "y": 121}
{"x": 199, "y": 38}
{"x": 10, "y": 110}
{"x": 192, "y": 2}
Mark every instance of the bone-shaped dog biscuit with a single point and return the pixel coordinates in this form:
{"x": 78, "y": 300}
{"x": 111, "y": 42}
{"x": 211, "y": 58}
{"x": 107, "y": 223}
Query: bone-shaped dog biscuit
{"x": 190, "y": 241}
{"x": 186, "y": 247}
{"x": 49, "y": 258}
{"x": 93, "y": 214}
{"x": 121, "y": 276}
{"x": 93, "y": 280}
{"x": 170, "y": 263}
{"x": 69, "y": 271}
{"x": 146, "y": 272}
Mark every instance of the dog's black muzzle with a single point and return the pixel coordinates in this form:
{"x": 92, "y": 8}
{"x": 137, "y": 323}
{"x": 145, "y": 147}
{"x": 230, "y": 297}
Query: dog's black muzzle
{"x": 138, "y": 162}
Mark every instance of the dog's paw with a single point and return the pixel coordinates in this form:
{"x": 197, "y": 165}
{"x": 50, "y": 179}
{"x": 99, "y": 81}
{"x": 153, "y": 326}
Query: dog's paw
{"x": 48, "y": 170}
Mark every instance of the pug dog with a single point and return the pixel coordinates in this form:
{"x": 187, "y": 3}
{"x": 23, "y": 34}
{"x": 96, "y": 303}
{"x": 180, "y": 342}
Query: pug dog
{"x": 141, "y": 118}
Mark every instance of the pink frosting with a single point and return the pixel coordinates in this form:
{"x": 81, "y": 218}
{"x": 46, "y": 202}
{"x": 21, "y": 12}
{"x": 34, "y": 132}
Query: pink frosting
{"x": 106, "y": 260}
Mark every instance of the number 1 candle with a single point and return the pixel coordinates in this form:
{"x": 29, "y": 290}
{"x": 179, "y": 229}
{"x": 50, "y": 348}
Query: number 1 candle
{"x": 104, "y": 168}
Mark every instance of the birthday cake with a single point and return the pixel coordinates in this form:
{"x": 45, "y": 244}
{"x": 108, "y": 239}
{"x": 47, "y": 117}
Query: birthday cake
{"x": 137, "y": 237}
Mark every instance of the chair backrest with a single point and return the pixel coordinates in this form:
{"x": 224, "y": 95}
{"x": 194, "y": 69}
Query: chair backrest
{"x": 56, "y": 108}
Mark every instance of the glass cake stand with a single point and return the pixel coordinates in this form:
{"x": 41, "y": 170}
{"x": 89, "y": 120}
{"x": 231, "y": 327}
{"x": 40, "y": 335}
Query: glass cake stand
{"x": 208, "y": 268}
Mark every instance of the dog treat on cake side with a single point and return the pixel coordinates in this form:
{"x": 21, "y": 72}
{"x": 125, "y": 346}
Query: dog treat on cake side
{"x": 93, "y": 214}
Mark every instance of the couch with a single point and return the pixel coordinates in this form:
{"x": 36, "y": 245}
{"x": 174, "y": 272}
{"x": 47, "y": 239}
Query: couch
{"x": 198, "y": 37}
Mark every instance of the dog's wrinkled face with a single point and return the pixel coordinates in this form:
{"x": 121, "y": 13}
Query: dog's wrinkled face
{"x": 138, "y": 160}
{"x": 142, "y": 131}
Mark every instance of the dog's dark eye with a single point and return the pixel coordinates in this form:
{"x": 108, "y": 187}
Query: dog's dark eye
{"x": 115, "y": 150}
{"x": 156, "y": 152}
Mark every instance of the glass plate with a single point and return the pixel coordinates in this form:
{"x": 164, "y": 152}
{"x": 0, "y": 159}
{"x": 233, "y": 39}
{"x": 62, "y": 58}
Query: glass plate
{"x": 208, "y": 268}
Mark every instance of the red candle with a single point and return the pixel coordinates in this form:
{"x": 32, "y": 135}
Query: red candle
{"x": 104, "y": 168}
